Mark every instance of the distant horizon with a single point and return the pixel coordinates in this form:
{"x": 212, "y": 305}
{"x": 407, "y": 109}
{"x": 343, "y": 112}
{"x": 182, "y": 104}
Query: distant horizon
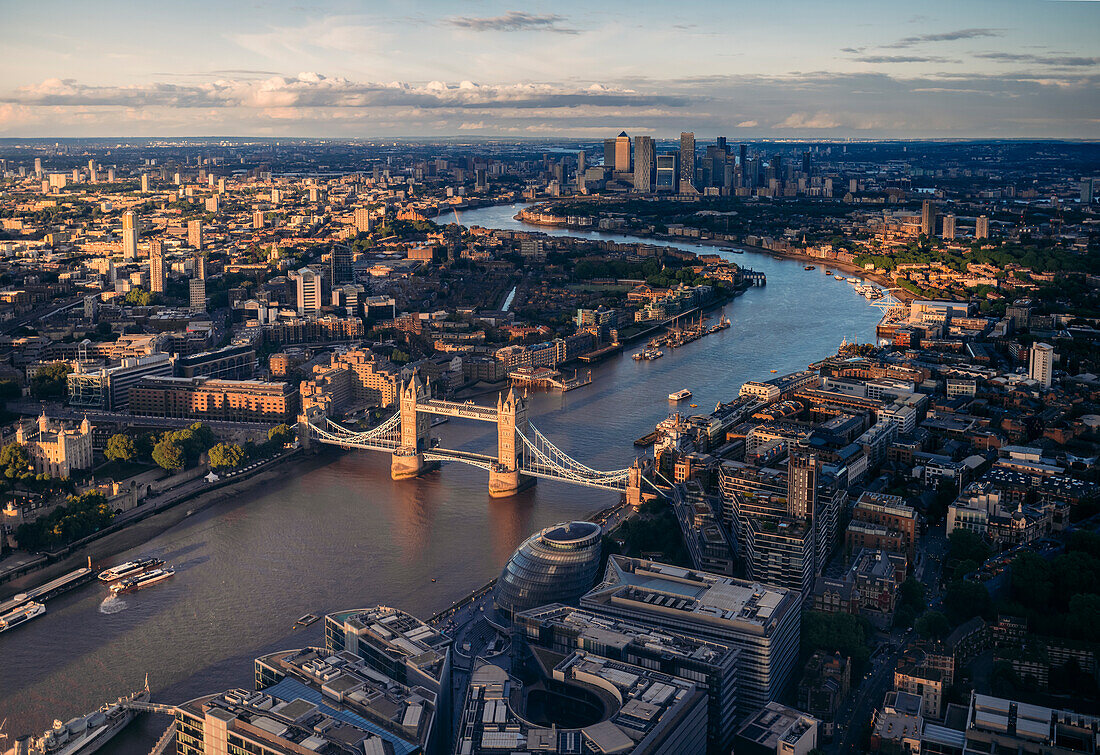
{"x": 699, "y": 138}
{"x": 877, "y": 69}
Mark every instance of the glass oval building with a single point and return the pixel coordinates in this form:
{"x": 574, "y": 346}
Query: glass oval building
{"x": 556, "y": 565}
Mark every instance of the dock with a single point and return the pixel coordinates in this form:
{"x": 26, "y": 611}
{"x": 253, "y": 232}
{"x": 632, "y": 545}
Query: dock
{"x": 50, "y": 589}
{"x": 544, "y": 377}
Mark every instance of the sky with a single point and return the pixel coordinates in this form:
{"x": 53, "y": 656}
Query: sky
{"x": 815, "y": 69}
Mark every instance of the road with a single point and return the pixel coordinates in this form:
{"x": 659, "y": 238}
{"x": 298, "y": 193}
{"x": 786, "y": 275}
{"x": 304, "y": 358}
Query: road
{"x": 868, "y": 694}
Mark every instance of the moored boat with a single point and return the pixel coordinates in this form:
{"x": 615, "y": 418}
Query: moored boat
{"x": 21, "y": 615}
{"x": 86, "y": 734}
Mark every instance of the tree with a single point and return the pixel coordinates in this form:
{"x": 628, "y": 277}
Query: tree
{"x": 1084, "y": 616}
{"x": 912, "y": 595}
{"x": 933, "y": 625}
{"x": 227, "y": 456}
{"x": 16, "y": 461}
{"x": 120, "y": 448}
{"x": 168, "y": 454}
{"x": 51, "y": 381}
{"x": 967, "y": 546}
{"x": 280, "y": 435}
{"x": 965, "y": 599}
{"x": 836, "y": 632}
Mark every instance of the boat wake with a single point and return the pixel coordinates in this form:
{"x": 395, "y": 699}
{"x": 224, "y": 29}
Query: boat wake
{"x": 112, "y": 604}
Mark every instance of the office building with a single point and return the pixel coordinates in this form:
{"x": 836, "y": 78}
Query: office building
{"x": 777, "y": 730}
{"x": 948, "y": 227}
{"x": 555, "y": 565}
{"x": 668, "y": 172}
{"x": 928, "y": 218}
{"x": 236, "y": 362}
{"x": 622, "y": 153}
{"x": 157, "y": 269}
{"x": 981, "y": 227}
{"x": 308, "y": 285}
{"x": 364, "y": 222}
{"x": 213, "y": 399}
{"x": 563, "y": 629}
{"x": 994, "y": 724}
{"x": 405, "y": 716}
{"x": 687, "y": 160}
{"x": 584, "y": 704}
{"x": 396, "y": 644}
{"x": 645, "y": 156}
{"x": 1041, "y": 364}
{"x": 760, "y": 621}
{"x": 131, "y": 229}
{"x": 108, "y": 388}
{"x": 194, "y": 234}
{"x": 197, "y": 290}
{"x": 309, "y": 703}
{"x": 341, "y": 270}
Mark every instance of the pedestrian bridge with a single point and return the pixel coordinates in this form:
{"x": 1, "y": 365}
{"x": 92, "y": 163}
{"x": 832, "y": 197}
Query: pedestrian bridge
{"x": 523, "y": 453}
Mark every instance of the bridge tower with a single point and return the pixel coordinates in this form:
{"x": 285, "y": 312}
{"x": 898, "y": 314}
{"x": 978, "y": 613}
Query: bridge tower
{"x": 408, "y": 460}
{"x": 305, "y": 435}
{"x": 505, "y": 478}
{"x": 635, "y": 477}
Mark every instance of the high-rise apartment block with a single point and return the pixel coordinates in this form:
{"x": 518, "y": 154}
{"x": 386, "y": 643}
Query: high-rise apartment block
{"x": 156, "y": 266}
{"x": 198, "y": 295}
{"x": 1041, "y": 367}
{"x": 928, "y": 218}
{"x": 948, "y": 227}
{"x": 194, "y": 234}
{"x": 981, "y": 227}
{"x": 131, "y": 229}
{"x": 364, "y": 223}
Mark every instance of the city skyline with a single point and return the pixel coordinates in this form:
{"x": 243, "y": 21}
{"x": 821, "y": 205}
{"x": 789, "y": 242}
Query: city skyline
{"x": 487, "y": 69}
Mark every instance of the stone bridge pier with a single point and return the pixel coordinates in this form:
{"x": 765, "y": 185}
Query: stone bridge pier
{"x": 407, "y": 459}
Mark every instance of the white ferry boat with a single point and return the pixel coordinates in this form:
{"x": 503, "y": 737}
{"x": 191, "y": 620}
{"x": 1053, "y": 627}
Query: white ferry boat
{"x": 86, "y": 734}
{"x": 142, "y": 580}
{"x": 129, "y": 569}
{"x": 20, "y": 615}
{"x": 679, "y": 395}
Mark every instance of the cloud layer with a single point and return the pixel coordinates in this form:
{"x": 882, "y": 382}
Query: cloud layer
{"x": 818, "y": 103}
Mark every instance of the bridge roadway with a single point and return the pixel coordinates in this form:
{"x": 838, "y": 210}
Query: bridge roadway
{"x": 447, "y": 454}
{"x": 468, "y": 410}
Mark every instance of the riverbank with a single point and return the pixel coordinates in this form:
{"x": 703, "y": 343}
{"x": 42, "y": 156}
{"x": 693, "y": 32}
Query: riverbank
{"x": 147, "y": 521}
{"x": 900, "y": 294}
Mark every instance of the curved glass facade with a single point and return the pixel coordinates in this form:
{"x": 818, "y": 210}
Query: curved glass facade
{"x": 557, "y": 565}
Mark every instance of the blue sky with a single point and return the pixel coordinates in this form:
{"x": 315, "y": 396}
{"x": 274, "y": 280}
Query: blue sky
{"x": 784, "y": 68}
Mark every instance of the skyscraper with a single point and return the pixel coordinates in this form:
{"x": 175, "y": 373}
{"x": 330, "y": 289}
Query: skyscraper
{"x": 198, "y": 265}
{"x": 687, "y": 159}
{"x": 258, "y": 219}
{"x": 582, "y": 163}
{"x": 645, "y": 158}
{"x": 742, "y": 154}
{"x": 308, "y": 284}
{"x": 981, "y": 227}
{"x": 341, "y": 263}
{"x": 668, "y": 172}
{"x": 928, "y": 218}
{"x": 801, "y": 484}
{"x": 622, "y": 153}
{"x": 131, "y": 229}
{"x": 1041, "y": 367}
{"x": 194, "y": 234}
{"x": 1087, "y": 187}
{"x": 144, "y": 183}
{"x": 609, "y": 153}
{"x": 156, "y": 265}
{"x": 948, "y": 227}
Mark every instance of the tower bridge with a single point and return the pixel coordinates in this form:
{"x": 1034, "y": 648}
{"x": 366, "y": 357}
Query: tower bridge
{"x": 523, "y": 453}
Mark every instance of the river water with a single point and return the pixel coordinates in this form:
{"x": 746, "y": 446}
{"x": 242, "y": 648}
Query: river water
{"x": 335, "y": 532}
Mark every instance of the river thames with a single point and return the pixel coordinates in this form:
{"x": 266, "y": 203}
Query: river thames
{"x": 335, "y": 532}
